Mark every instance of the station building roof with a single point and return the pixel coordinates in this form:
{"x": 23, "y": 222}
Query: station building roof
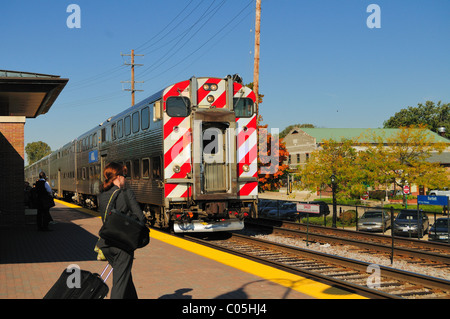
{"x": 28, "y": 94}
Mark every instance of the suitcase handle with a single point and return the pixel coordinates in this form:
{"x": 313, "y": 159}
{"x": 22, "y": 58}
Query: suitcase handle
{"x": 104, "y": 270}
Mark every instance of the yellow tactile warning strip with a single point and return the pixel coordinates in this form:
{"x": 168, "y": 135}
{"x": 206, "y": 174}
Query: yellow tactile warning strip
{"x": 301, "y": 284}
{"x": 81, "y": 209}
{"x": 309, "y": 287}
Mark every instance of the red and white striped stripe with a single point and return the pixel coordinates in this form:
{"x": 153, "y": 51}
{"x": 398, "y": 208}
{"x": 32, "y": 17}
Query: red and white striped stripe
{"x": 247, "y": 139}
{"x": 177, "y": 144}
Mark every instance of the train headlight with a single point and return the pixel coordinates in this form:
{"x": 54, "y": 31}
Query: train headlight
{"x": 210, "y": 98}
{"x": 246, "y": 167}
{"x": 210, "y": 87}
{"x": 176, "y": 169}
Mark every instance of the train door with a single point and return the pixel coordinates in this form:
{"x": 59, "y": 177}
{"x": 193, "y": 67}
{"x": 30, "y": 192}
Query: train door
{"x": 214, "y": 145}
{"x": 59, "y": 184}
{"x": 102, "y": 167}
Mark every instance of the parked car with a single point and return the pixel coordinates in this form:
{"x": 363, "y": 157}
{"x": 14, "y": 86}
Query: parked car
{"x": 439, "y": 192}
{"x": 267, "y": 206}
{"x": 286, "y": 209}
{"x": 439, "y": 230}
{"x": 411, "y": 222}
{"x": 374, "y": 220}
{"x": 398, "y": 192}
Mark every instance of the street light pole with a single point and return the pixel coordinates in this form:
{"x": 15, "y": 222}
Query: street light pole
{"x": 333, "y": 189}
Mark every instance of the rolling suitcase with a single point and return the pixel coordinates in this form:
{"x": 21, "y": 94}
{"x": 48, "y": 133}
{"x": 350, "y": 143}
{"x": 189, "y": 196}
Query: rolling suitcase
{"x": 90, "y": 286}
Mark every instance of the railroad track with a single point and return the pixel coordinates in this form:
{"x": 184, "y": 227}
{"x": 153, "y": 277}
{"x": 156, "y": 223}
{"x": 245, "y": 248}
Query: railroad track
{"x": 411, "y": 250}
{"x": 347, "y": 274}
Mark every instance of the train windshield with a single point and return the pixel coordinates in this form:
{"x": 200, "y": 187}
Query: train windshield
{"x": 178, "y": 106}
{"x": 243, "y": 107}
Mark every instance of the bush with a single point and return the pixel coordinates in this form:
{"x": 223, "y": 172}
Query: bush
{"x": 348, "y": 217}
{"x": 378, "y": 194}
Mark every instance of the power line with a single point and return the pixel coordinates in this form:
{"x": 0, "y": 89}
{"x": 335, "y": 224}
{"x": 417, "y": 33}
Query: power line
{"x": 204, "y": 43}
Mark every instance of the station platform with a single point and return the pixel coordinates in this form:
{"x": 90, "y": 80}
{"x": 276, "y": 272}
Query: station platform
{"x": 168, "y": 268}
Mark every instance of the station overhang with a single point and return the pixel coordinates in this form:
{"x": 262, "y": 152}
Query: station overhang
{"x": 28, "y": 94}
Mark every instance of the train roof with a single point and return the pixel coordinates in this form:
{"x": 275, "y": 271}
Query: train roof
{"x": 145, "y": 101}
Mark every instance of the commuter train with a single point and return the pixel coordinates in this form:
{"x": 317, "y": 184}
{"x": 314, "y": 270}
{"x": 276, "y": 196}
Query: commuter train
{"x": 190, "y": 152}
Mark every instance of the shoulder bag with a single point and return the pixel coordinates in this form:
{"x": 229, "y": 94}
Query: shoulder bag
{"x": 123, "y": 231}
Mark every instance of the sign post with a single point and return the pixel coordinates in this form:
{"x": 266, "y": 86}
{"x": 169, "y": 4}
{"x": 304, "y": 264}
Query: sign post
{"x": 308, "y": 208}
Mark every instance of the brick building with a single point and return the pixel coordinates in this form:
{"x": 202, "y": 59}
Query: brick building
{"x": 22, "y": 95}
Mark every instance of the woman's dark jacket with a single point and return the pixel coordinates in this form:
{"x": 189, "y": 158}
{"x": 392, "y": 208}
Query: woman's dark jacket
{"x": 120, "y": 204}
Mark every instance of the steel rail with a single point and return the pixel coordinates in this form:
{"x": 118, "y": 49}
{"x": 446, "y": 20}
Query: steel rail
{"x": 399, "y": 251}
{"x": 352, "y": 233}
{"x": 338, "y": 283}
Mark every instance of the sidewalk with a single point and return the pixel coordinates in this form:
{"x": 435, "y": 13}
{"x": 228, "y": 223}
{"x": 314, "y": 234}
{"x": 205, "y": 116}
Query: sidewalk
{"x": 31, "y": 261}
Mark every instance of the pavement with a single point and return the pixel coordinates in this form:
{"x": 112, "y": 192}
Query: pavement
{"x": 31, "y": 261}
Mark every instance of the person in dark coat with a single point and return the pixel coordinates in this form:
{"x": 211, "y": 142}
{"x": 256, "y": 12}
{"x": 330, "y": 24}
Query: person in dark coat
{"x": 121, "y": 260}
{"x": 43, "y": 194}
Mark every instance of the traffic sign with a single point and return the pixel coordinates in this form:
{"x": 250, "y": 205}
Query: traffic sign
{"x": 308, "y": 208}
{"x": 406, "y": 189}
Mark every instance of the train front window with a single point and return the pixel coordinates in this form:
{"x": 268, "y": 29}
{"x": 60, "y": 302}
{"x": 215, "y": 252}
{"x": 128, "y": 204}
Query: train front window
{"x": 178, "y": 106}
{"x": 243, "y": 107}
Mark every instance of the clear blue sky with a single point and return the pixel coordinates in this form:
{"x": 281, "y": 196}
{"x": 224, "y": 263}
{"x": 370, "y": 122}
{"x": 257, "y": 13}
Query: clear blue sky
{"x": 320, "y": 63}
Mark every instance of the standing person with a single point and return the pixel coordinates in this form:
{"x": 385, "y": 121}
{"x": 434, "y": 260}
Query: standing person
{"x": 44, "y": 198}
{"x": 120, "y": 260}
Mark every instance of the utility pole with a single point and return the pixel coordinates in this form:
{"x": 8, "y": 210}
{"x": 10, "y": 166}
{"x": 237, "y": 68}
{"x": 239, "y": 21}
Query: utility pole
{"x": 256, "y": 60}
{"x": 132, "y": 75}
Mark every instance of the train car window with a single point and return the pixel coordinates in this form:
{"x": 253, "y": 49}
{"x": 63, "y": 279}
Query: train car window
{"x": 119, "y": 129}
{"x": 135, "y": 122}
{"x": 103, "y": 135}
{"x": 243, "y": 107}
{"x": 127, "y": 125}
{"x": 136, "y": 169}
{"x": 145, "y": 118}
{"x": 178, "y": 106}
{"x": 156, "y": 167}
{"x": 145, "y": 168}
{"x": 94, "y": 139}
{"x": 83, "y": 173}
{"x": 114, "y": 131}
{"x": 157, "y": 111}
{"x": 128, "y": 166}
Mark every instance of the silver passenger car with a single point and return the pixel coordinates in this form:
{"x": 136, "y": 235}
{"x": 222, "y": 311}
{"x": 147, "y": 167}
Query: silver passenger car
{"x": 374, "y": 220}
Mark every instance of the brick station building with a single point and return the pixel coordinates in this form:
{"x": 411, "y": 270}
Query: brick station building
{"x": 23, "y": 95}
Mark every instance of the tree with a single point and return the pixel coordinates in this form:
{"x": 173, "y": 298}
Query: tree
{"x": 337, "y": 158}
{"x": 37, "y": 150}
{"x": 402, "y": 159}
{"x": 431, "y": 115}
{"x": 271, "y": 155}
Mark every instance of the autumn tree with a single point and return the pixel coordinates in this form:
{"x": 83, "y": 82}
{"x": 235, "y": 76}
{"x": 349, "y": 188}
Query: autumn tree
{"x": 337, "y": 158}
{"x": 37, "y": 150}
{"x": 402, "y": 158}
{"x": 271, "y": 155}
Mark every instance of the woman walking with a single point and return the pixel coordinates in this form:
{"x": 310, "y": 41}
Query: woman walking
{"x": 114, "y": 193}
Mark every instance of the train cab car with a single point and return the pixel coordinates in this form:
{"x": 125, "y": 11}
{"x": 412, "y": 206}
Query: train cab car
{"x": 190, "y": 152}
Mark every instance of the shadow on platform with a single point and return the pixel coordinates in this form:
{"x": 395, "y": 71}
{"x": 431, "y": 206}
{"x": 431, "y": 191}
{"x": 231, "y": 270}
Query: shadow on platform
{"x": 65, "y": 242}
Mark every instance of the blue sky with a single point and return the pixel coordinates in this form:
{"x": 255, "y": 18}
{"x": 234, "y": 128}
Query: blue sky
{"x": 320, "y": 63}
